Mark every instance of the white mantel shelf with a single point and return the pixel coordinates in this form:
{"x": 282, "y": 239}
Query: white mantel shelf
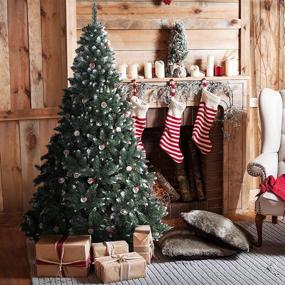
{"x": 215, "y": 78}
{"x": 239, "y": 85}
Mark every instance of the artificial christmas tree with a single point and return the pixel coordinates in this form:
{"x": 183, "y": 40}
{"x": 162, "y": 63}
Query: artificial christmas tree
{"x": 177, "y": 51}
{"x": 94, "y": 180}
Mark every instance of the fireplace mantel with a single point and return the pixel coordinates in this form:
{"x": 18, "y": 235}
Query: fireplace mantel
{"x": 235, "y": 153}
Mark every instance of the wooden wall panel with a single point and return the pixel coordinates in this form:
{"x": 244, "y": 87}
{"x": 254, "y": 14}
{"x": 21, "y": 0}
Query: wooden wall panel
{"x": 19, "y": 54}
{"x": 29, "y": 140}
{"x": 149, "y": 10}
{"x": 139, "y": 30}
{"x": 54, "y": 50}
{"x": 11, "y": 167}
{"x": 35, "y": 52}
{"x": 70, "y": 34}
{"x": 145, "y": 40}
{"x": 5, "y": 99}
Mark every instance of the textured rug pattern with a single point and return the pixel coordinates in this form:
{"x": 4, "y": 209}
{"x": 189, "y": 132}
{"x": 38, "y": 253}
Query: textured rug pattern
{"x": 265, "y": 265}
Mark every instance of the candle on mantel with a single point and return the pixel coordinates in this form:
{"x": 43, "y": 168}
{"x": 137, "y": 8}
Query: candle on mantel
{"x": 159, "y": 69}
{"x": 133, "y": 71}
{"x": 210, "y": 65}
{"x": 123, "y": 71}
{"x": 231, "y": 66}
{"x": 148, "y": 70}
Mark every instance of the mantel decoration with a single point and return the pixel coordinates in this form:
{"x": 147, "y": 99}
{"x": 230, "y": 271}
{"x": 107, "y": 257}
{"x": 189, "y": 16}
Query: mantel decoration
{"x": 177, "y": 51}
{"x": 185, "y": 90}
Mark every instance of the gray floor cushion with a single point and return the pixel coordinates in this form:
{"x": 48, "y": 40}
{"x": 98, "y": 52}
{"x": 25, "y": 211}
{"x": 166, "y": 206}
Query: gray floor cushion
{"x": 217, "y": 228}
{"x": 184, "y": 243}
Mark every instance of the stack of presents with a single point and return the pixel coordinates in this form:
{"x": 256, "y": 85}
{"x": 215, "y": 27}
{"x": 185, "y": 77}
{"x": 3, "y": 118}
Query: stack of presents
{"x": 72, "y": 256}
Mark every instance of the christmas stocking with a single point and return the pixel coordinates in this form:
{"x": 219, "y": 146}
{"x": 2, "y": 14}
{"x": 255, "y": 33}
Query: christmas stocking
{"x": 169, "y": 141}
{"x": 204, "y": 120}
{"x": 139, "y": 116}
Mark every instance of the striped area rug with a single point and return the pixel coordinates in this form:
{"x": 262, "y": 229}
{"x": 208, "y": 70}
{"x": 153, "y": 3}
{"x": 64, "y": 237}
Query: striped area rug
{"x": 265, "y": 265}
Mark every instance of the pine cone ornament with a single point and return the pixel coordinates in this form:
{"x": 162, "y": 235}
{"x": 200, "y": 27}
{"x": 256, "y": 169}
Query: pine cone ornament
{"x": 167, "y": 2}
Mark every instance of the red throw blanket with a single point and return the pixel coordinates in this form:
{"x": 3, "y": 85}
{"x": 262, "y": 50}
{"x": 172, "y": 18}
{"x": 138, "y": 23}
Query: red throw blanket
{"x": 276, "y": 186}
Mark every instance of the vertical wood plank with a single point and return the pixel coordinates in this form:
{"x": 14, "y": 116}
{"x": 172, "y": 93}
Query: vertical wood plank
{"x": 46, "y": 130}
{"x": 5, "y": 99}
{"x": 245, "y": 37}
{"x": 269, "y": 43}
{"x": 282, "y": 47}
{"x": 11, "y": 167}
{"x": 30, "y": 156}
{"x": 1, "y": 190}
{"x": 19, "y": 54}
{"x": 71, "y": 36}
{"x": 53, "y": 39}
{"x": 35, "y": 45}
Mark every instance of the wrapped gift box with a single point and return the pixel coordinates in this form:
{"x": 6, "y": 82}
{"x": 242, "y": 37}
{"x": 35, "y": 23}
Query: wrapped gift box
{"x": 143, "y": 242}
{"x": 63, "y": 256}
{"x": 120, "y": 267}
{"x": 109, "y": 248}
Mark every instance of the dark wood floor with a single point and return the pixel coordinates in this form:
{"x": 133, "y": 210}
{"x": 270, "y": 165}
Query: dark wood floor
{"x": 14, "y": 268}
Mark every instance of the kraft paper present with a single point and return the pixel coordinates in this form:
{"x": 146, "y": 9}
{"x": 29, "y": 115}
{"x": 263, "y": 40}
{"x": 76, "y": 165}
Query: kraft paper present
{"x": 63, "y": 256}
{"x": 120, "y": 267}
{"x": 143, "y": 242}
{"x": 109, "y": 248}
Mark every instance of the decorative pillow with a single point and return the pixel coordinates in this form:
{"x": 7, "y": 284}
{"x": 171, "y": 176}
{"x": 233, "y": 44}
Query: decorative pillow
{"x": 184, "y": 243}
{"x": 217, "y": 228}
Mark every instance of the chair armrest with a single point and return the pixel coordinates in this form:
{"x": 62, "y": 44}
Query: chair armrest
{"x": 264, "y": 165}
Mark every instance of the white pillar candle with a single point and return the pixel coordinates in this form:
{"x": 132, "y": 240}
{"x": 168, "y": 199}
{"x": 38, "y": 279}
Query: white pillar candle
{"x": 159, "y": 69}
{"x": 210, "y": 65}
{"x": 133, "y": 71}
{"x": 123, "y": 71}
{"x": 231, "y": 66}
{"x": 148, "y": 70}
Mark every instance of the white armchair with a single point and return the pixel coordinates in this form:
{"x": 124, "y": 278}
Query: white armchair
{"x": 271, "y": 161}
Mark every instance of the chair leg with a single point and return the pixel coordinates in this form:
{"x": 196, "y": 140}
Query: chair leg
{"x": 259, "y": 222}
{"x": 274, "y": 220}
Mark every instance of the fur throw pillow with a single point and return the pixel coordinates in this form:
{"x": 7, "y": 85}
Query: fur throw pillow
{"x": 217, "y": 228}
{"x": 184, "y": 243}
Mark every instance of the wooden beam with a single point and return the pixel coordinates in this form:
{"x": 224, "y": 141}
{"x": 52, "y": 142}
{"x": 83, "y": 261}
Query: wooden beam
{"x": 5, "y": 98}
{"x": 71, "y": 36}
{"x": 117, "y": 22}
{"x": 35, "y": 46}
{"x": 245, "y": 37}
{"x": 39, "y": 114}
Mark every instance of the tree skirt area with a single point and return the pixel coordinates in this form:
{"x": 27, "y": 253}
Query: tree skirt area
{"x": 264, "y": 265}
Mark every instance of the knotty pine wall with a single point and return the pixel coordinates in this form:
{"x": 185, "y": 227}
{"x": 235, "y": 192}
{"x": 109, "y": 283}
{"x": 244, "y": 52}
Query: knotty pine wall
{"x": 138, "y": 30}
{"x": 34, "y": 56}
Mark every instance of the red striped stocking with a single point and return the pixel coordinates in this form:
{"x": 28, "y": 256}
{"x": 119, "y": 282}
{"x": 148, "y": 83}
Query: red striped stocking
{"x": 204, "y": 120}
{"x": 139, "y": 116}
{"x": 169, "y": 141}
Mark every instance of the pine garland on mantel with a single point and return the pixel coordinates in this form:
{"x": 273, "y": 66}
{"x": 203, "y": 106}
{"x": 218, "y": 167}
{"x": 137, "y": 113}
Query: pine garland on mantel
{"x": 187, "y": 91}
